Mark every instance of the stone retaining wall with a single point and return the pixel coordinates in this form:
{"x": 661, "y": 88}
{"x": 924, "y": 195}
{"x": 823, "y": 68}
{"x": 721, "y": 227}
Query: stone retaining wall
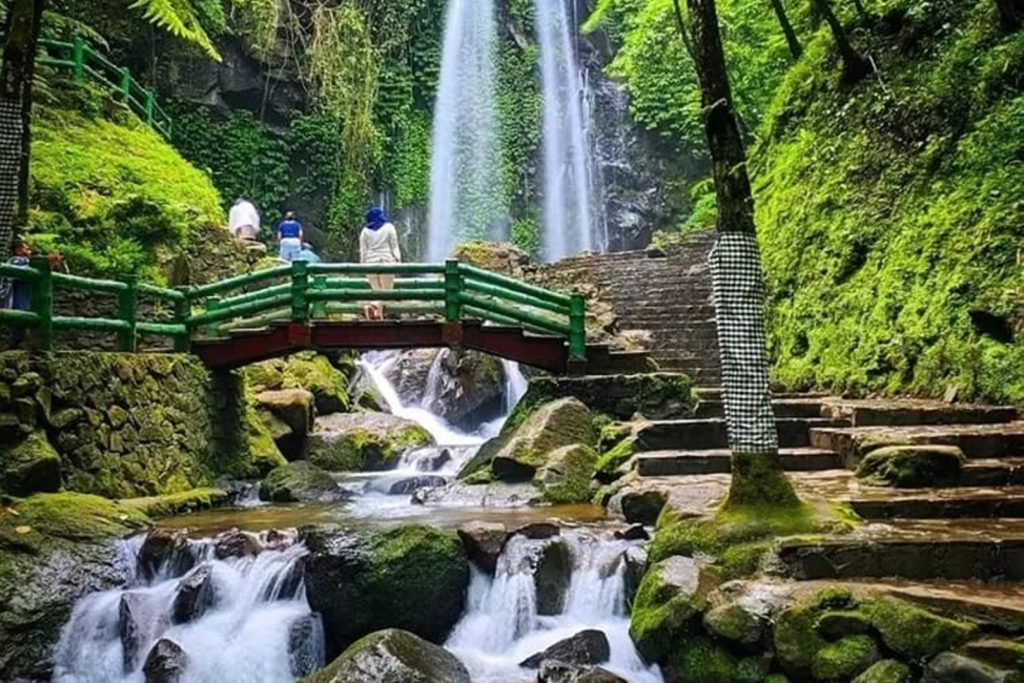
{"x": 117, "y": 425}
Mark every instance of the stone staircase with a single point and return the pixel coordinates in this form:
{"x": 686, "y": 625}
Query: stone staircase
{"x": 667, "y": 294}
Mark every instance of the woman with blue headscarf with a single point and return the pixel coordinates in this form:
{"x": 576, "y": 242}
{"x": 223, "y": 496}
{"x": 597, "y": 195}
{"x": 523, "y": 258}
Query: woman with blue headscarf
{"x": 378, "y": 243}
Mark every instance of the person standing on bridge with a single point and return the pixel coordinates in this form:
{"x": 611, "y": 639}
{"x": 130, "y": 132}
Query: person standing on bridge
{"x": 289, "y": 237}
{"x": 378, "y": 243}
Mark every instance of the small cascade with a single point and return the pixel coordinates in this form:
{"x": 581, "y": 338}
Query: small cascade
{"x": 569, "y": 225}
{"x": 251, "y": 620}
{"x": 503, "y": 626}
{"x": 465, "y": 161}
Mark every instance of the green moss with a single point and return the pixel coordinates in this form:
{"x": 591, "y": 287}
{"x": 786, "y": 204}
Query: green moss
{"x": 797, "y": 642}
{"x": 914, "y": 633}
{"x": 178, "y": 503}
{"x": 567, "y": 475}
{"x": 701, "y": 661}
{"x": 306, "y": 370}
{"x": 69, "y": 516}
{"x": 911, "y": 467}
{"x": 297, "y": 481}
{"x": 30, "y": 466}
{"x": 263, "y": 451}
{"x": 758, "y": 480}
{"x": 663, "y": 613}
{"x": 845, "y": 658}
{"x": 885, "y": 671}
{"x": 610, "y": 463}
{"x": 358, "y": 449}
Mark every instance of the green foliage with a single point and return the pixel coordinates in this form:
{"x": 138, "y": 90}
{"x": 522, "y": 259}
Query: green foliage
{"x": 184, "y": 19}
{"x": 111, "y": 195}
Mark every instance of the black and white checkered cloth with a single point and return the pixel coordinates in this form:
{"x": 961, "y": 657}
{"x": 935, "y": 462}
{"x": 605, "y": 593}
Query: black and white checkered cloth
{"x": 739, "y": 311}
{"x": 10, "y": 155}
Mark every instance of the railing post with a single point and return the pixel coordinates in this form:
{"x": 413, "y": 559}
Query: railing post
{"x": 212, "y": 305}
{"x": 127, "y": 311}
{"x": 319, "y": 307}
{"x": 300, "y": 284}
{"x": 452, "y": 291}
{"x": 126, "y": 84}
{"x": 78, "y": 58}
{"x": 577, "y": 327}
{"x": 42, "y": 302}
{"x": 150, "y": 105}
{"x": 182, "y": 309}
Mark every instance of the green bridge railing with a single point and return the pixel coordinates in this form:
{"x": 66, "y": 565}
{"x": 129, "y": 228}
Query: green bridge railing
{"x": 84, "y": 62}
{"x": 298, "y": 292}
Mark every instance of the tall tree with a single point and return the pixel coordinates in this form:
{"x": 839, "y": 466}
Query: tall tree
{"x": 795, "y": 48}
{"x": 757, "y": 475}
{"x": 856, "y": 66}
{"x": 1011, "y": 14}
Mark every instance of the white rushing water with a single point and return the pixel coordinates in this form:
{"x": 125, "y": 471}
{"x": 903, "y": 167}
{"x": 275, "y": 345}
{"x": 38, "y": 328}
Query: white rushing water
{"x": 569, "y": 226}
{"x": 502, "y": 626}
{"x": 465, "y": 200}
{"x": 252, "y": 630}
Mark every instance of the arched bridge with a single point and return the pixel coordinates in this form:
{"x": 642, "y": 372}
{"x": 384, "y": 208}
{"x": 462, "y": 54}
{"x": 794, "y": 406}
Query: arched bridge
{"x": 274, "y": 312}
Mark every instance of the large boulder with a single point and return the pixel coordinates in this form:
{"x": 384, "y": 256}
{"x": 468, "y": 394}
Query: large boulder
{"x": 165, "y": 663}
{"x": 586, "y": 647}
{"x": 915, "y": 633}
{"x": 288, "y": 413}
{"x": 30, "y": 466}
{"x": 655, "y": 396}
{"x": 55, "y": 548}
{"x": 950, "y": 667}
{"x": 552, "y": 576}
{"x": 358, "y": 442}
{"x": 195, "y": 595}
{"x": 484, "y": 542}
{"x": 566, "y": 476}
{"x": 260, "y": 430}
{"x": 142, "y": 617}
{"x": 164, "y": 552}
{"x": 306, "y": 370}
{"x": 913, "y": 466}
{"x": 565, "y": 422}
{"x": 554, "y": 671}
{"x": 300, "y": 482}
{"x": 412, "y": 577}
{"x": 393, "y": 656}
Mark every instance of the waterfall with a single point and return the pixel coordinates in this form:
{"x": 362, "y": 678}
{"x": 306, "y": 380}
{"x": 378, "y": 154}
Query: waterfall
{"x": 464, "y": 165}
{"x": 569, "y": 225}
{"x": 258, "y": 626}
{"x": 502, "y": 627}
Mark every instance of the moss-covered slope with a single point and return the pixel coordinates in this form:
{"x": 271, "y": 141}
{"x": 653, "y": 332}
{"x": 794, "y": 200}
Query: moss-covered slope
{"x": 890, "y": 213}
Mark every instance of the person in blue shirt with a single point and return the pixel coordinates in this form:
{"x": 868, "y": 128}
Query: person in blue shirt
{"x": 16, "y": 294}
{"x": 289, "y": 237}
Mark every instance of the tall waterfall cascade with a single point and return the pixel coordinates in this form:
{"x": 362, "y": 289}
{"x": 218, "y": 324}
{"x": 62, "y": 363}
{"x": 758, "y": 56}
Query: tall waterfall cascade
{"x": 465, "y": 201}
{"x": 569, "y": 225}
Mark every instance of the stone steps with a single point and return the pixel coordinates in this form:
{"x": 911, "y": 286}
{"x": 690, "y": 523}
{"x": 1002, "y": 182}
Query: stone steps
{"x": 704, "y": 434}
{"x": 784, "y": 407}
{"x": 993, "y": 472}
{"x": 719, "y": 461}
{"x": 910, "y": 412}
{"x": 953, "y": 503}
{"x": 976, "y": 440}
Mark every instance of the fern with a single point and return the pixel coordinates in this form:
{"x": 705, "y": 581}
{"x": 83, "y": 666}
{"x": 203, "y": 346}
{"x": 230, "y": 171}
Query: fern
{"x": 179, "y": 18}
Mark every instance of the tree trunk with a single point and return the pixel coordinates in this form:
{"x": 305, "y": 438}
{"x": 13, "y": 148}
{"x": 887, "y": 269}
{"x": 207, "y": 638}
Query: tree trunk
{"x": 855, "y": 65}
{"x": 795, "y": 48}
{"x": 1011, "y": 14}
{"x": 757, "y": 475}
{"x": 21, "y": 31}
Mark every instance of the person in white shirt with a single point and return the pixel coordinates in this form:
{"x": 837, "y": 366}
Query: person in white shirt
{"x": 244, "y": 220}
{"x": 378, "y": 243}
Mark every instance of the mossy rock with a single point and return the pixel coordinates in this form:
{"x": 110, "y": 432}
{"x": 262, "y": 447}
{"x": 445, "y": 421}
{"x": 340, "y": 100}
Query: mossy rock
{"x": 613, "y": 462}
{"x": 264, "y": 454}
{"x": 565, "y": 422}
{"x": 359, "y": 442}
{"x": 566, "y": 476}
{"x": 837, "y": 624}
{"x": 671, "y": 597}
{"x": 54, "y": 549}
{"x": 178, "y": 503}
{"x": 306, "y": 370}
{"x": 914, "y": 633}
{"x": 31, "y": 466}
{"x": 656, "y": 396}
{"x": 299, "y": 482}
{"x": 411, "y": 577}
{"x": 796, "y": 640}
{"x": 845, "y": 658}
{"x": 393, "y": 656}
{"x": 699, "y": 660}
{"x": 885, "y": 671}
{"x": 913, "y": 466}
{"x": 735, "y": 623}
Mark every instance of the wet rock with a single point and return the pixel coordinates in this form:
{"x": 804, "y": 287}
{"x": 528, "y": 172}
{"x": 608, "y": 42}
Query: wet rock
{"x": 288, "y": 413}
{"x": 195, "y": 595}
{"x": 276, "y": 539}
{"x": 656, "y": 396}
{"x": 914, "y": 633}
{"x": 949, "y": 667}
{"x": 885, "y": 671}
{"x": 845, "y": 658}
{"x": 236, "y": 543}
{"x": 305, "y": 645}
{"x": 30, "y": 466}
{"x": 164, "y": 552}
{"x": 411, "y": 577}
{"x": 300, "y": 482}
{"x": 636, "y": 564}
{"x": 306, "y": 370}
{"x": 997, "y": 651}
{"x": 141, "y": 617}
{"x": 565, "y": 477}
{"x": 393, "y": 656}
{"x": 837, "y": 624}
{"x": 552, "y": 671}
{"x": 435, "y": 462}
{"x": 642, "y": 507}
{"x": 358, "y": 442}
{"x": 636, "y": 532}
{"x": 913, "y": 466}
{"x": 586, "y": 647}
{"x": 413, "y": 484}
{"x": 483, "y": 542}
{"x": 552, "y": 577}
{"x": 736, "y": 623}
{"x": 538, "y": 530}
{"x": 165, "y": 663}
{"x": 565, "y": 422}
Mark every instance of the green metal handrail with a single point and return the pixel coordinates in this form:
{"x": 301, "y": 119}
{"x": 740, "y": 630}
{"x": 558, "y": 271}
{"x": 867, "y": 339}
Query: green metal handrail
{"x": 302, "y": 293}
{"x": 86, "y": 63}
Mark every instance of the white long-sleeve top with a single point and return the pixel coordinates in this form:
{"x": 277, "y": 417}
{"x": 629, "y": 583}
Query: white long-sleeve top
{"x": 380, "y": 245}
